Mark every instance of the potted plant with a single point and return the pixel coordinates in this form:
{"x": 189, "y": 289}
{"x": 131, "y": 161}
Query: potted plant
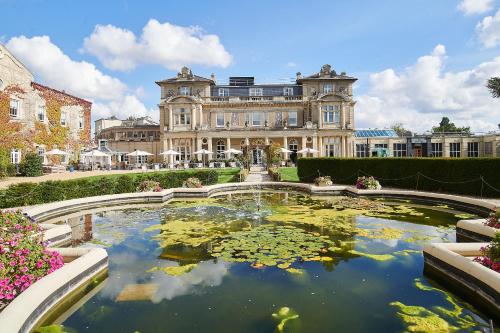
{"x": 323, "y": 181}
{"x": 368, "y": 183}
{"x": 149, "y": 186}
{"x": 192, "y": 182}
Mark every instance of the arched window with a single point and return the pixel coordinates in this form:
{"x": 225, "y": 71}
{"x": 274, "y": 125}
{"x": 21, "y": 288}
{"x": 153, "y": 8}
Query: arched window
{"x": 221, "y": 146}
{"x": 293, "y": 145}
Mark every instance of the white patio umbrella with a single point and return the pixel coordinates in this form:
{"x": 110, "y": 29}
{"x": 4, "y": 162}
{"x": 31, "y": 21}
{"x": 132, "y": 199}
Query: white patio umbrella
{"x": 307, "y": 151}
{"x": 56, "y": 152}
{"x": 233, "y": 151}
{"x": 203, "y": 152}
{"x": 138, "y": 153}
{"x": 96, "y": 154}
{"x": 284, "y": 150}
{"x": 170, "y": 152}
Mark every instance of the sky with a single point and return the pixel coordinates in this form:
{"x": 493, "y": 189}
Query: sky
{"x": 416, "y": 61}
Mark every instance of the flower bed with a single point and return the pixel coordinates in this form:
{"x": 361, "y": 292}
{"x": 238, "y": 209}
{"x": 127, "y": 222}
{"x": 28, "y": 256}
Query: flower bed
{"x": 494, "y": 220}
{"x": 193, "y": 182}
{"x": 149, "y": 186}
{"x": 491, "y": 255}
{"x": 24, "y": 258}
{"x": 368, "y": 183}
{"x": 323, "y": 181}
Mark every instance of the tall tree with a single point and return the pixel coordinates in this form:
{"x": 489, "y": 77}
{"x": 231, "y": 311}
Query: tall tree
{"x": 494, "y": 86}
{"x": 446, "y": 126}
{"x": 400, "y": 130}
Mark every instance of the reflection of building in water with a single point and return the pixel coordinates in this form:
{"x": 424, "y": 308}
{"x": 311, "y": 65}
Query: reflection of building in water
{"x": 81, "y": 227}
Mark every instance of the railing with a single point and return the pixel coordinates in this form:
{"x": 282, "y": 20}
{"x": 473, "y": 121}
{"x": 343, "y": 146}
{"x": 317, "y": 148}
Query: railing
{"x": 245, "y": 99}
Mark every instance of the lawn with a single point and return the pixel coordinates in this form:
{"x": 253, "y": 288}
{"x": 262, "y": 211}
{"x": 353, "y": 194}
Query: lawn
{"x": 289, "y": 174}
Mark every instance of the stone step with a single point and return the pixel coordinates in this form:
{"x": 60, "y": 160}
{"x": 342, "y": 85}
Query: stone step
{"x": 257, "y": 168}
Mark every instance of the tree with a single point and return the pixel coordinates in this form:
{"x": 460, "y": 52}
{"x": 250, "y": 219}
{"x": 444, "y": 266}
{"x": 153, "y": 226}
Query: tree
{"x": 494, "y": 86}
{"x": 400, "y": 130}
{"x": 446, "y": 126}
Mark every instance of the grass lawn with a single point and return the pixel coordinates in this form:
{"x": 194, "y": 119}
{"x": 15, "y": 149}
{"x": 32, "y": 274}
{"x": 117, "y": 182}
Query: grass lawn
{"x": 226, "y": 175}
{"x": 289, "y": 174}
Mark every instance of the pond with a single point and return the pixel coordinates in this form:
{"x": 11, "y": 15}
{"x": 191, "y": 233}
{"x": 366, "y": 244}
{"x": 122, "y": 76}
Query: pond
{"x": 269, "y": 262}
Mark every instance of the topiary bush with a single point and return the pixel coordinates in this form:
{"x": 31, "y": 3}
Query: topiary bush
{"x": 31, "y": 166}
{"x": 451, "y": 175}
{"x": 25, "y": 194}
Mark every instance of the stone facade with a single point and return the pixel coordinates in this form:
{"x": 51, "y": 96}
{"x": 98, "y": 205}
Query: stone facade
{"x": 38, "y": 108}
{"x": 316, "y": 111}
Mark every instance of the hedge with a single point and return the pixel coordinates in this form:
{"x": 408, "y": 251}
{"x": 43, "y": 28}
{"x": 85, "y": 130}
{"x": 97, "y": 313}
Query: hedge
{"x": 471, "y": 176}
{"x": 24, "y": 194}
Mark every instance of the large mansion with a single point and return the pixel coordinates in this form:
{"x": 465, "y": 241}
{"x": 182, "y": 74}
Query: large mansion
{"x": 36, "y": 117}
{"x": 316, "y": 111}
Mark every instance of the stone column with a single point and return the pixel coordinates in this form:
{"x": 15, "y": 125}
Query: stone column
{"x": 210, "y": 148}
{"x": 320, "y": 115}
{"x": 200, "y": 110}
{"x": 228, "y": 146}
{"x": 198, "y": 147}
{"x": 171, "y": 145}
{"x": 285, "y": 145}
{"x": 315, "y": 145}
{"x": 342, "y": 115}
{"x": 193, "y": 118}
{"x": 343, "y": 141}
{"x": 320, "y": 146}
{"x": 170, "y": 118}
{"x": 304, "y": 144}
{"x": 266, "y": 141}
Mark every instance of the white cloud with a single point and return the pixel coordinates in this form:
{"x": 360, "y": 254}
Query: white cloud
{"x": 424, "y": 92}
{"x": 470, "y": 7}
{"x": 291, "y": 64}
{"x": 80, "y": 78}
{"x": 59, "y": 71}
{"x": 488, "y": 30}
{"x": 164, "y": 44}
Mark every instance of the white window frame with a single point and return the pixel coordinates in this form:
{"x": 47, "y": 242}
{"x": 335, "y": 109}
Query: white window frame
{"x": 184, "y": 91}
{"x": 287, "y": 91}
{"x": 81, "y": 121}
{"x": 64, "y": 118}
{"x": 182, "y": 117}
{"x": 17, "y": 108}
{"x": 293, "y": 145}
{"x": 223, "y": 92}
{"x": 220, "y": 148}
{"x": 15, "y": 156}
{"x": 455, "y": 149}
{"x": 361, "y": 150}
{"x": 399, "y": 149}
{"x": 290, "y": 118}
{"x": 330, "y": 147}
{"x": 474, "y": 152}
{"x": 41, "y": 113}
{"x": 327, "y": 88}
{"x": 437, "y": 149}
{"x": 257, "y": 119}
{"x": 256, "y": 91}
{"x": 219, "y": 119}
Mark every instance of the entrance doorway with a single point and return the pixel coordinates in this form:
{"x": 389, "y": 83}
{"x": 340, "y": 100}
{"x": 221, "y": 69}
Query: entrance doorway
{"x": 417, "y": 151}
{"x": 257, "y": 154}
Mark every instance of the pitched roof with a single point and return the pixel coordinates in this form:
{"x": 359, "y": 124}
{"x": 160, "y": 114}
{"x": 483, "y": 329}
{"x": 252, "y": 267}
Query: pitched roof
{"x": 39, "y": 86}
{"x": 327, "y": 73}
{"x": 195, "y": 78}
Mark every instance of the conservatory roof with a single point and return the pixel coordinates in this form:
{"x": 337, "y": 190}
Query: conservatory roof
{"x": 371, "y": 133}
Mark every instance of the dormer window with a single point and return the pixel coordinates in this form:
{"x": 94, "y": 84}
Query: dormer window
{"x": 287, "y": 91}
{"x": 327, "y": 88}
{"x": 184, "y": 91}
{"x": 223, "y": 92}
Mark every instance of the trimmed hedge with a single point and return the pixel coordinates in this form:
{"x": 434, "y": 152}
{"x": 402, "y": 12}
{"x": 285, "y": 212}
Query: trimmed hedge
{"x": 451, "y": 175}
{"x": 24, "y": 194}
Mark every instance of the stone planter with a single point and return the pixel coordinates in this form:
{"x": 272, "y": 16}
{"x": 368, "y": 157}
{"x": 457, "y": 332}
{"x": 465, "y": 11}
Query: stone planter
{"x": 475, "y": 231}
{"x": 324, "y": 183}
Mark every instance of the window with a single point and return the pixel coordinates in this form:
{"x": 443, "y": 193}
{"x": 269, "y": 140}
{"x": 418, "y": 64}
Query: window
{"x": 287, "y": 91}
{"x": 437, "y": 149}
{"x": 41, "y": 113}
{"x": 220, "y": 120}
{"x": 103, "y": 143}
{"x": 292, "y": 118}
{"x": 41, "y": 152}
{"x": 381, "y": 145}
{"x": 327, "y": 88}
{"x": 14, "y": 108}
{"x": 256, "y": 119}
{"x": 182, "y": 118}
{"x": 184, "y": 91}
{"x": 331, "y": 114}
{"x": 293, "y": 145}
{"x": 15, "y": 156}
{"x": 399, "y": 149}
{"x": 329, "y": 144}
{"x": 221, "y": 146}
{"x": 361, "y": 150}
{"x": 223, "y": 92}
{"x": 183, "y": 147}
{"x": 488, "y": 148}
{"x": 256, "y": 91}
{"x": 472, "y": 149}
{"x": 81, "y": 122}
{"x": 63, "y": 118}
{"x": 454, "y": 149}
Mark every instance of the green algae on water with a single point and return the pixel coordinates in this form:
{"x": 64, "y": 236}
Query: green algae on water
{"x": 174, "y": 270}
{"x": 378, "y": 257}
{"x": 284, "y": 314}
{"x": 55, "y": 329}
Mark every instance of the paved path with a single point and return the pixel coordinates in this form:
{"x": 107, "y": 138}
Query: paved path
{"x": 258, "y": 176}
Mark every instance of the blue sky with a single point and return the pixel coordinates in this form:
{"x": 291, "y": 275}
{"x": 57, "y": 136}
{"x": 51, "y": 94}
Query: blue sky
{"x": 380, "y": 42}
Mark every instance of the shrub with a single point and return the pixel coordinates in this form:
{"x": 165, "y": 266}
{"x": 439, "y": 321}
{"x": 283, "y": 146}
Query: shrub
{"x": 149, "y": 186}
{"x": 31, "y": 166}
{"x": 23, "y": 256}
{"x": 367, "y": 183}
{"x": 323, "y": 181}
{"x": 7, "y": 169}
{"x": 452, "y": 175}
{"x": 124, "y": 184}
{"x": 192, "y": 182}
{"x": 274, "y": 174}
